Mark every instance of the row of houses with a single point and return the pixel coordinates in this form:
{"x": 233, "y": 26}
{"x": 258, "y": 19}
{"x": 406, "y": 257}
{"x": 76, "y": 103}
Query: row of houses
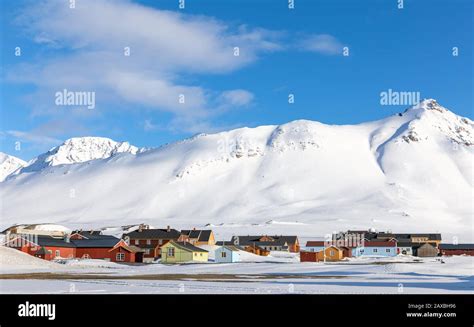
{"x": 152, "y": 241}
{"x": 145, "y": 245}
{"x": 380, "y": 244}
{"x": 83, "y": 245}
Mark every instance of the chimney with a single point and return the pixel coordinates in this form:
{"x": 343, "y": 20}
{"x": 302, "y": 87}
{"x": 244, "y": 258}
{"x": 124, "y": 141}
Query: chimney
{"x": 168, "y": 228}
{"x": 194, "y": 228}
{"x": 140, "y": 228}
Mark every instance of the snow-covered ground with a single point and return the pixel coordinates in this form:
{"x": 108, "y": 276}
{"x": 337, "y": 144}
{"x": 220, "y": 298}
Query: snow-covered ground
{"x": 277, "y": 273}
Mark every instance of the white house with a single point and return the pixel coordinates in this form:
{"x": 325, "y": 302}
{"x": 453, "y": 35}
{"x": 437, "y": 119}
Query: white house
{"x": 405, "y": 248}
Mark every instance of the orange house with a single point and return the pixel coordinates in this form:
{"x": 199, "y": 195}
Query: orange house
{"x": 331, "y": 253}
{"x": 257, "y": 250}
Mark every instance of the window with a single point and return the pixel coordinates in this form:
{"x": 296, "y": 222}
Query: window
{"x": 195, "y": 254}
{"x": 148, "y": 242}
{"x": 137, "y": 242}
{"x": 120, "y": 256}
{"x": 387, "y": 250}
{"x": 170, "y": 252}
{"x": 200, "y": 254}
{"x": 147, "y": 251}
{"x": 57, "y": 253}
{"x": 223, "y": 254}
{"x": 375, "y": 250}
{"x": 331, "y": 253}
{"x": 160, "y": 242}
{"x": 86, "y": 256}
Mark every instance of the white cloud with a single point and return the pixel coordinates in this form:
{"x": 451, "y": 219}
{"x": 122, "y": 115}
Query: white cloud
{"x": 168, "y": 52}
{"x": 169, "y": 39}
{"x": 165, "y": 47}
{"x": 321, "y": 43}
{"x": 236, "y": 97}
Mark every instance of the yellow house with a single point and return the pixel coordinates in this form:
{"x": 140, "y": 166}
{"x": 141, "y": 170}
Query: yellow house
{"x": 332, "y": 254}
{"x": 180, "y": 252}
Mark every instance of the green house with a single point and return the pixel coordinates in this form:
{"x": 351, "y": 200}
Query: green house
{"x": 181, "y": 252}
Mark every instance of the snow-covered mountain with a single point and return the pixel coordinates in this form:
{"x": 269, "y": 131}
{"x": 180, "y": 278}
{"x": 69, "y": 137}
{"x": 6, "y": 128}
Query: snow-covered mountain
{"x": 9, "y": 164}
{"x": 79, "y": 150}
{"x": 409, "y": 172}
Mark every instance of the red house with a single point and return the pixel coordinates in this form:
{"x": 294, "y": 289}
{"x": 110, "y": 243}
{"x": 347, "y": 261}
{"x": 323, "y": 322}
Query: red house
{"x": 95, "y": 249}
{"x": 456, "y": 249}
{"x": 45, "y": 247}
{"x": 50, "y": 248}
{"x": 122, "y": 252}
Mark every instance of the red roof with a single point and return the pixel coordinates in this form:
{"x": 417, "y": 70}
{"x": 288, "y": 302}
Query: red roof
{"x": 315, "y": 243}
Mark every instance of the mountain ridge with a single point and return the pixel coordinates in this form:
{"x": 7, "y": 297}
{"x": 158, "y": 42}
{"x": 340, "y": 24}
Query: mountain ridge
{"x": 411, "y": 169}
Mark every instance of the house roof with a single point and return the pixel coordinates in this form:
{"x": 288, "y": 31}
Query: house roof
{"x": 202, "y": 235}
{"x": 50, "y": 241}
{"x": 431, "y": 237}
{"x": 315, "y": 243}
{"x": 367, "y": 234}
{"x": 272, "y": 243}
{"x": 249, "y": 240}
{"x": 232, "y": 248}
{"x": 154, "y": 234}
{"x": 108, "y": 242}
{"x": 44, "y": 240}
{"x": 94, "y": 234}
{"x": 464, "y": 246}
{"x": 228, "y": 243}
{"x": 129, "y": 248}
{"x": 404, "y": 244}
{"x": 187, "y": 246}
{"x": 399, "y": 236}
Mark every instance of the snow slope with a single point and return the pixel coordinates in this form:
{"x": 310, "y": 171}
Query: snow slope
{"x": 9, "y": 164}
{"x": 408, "y": 172}
{"x": 14, "y": 260}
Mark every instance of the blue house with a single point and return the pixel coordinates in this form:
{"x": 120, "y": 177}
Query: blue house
{"x": 376, "y": 249}
{"x": 227, "y": 254}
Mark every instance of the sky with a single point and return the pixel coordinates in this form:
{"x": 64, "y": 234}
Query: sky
{"x": 160, "y": 73}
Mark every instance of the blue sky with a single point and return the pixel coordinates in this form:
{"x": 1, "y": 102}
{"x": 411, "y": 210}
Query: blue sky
{"x": 191, "y": 52}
